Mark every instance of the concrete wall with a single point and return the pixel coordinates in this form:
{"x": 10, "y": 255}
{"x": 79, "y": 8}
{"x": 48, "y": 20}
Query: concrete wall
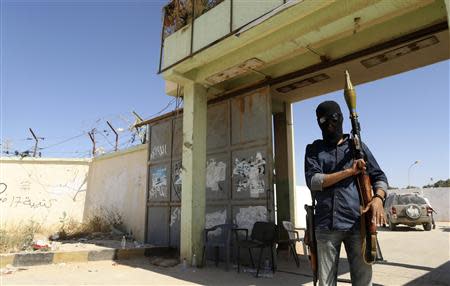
{"x": 117, "y": 182}
{"x": 439, "y": 199}
{"x": 41, "y": 189}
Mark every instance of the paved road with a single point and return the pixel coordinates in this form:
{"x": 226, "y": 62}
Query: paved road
{"x": 414, "y": 257}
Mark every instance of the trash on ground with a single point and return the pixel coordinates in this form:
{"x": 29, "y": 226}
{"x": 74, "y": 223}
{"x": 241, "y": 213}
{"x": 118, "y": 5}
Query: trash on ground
{"x": 40, "y": 245}
{"x": 54, "y": 236}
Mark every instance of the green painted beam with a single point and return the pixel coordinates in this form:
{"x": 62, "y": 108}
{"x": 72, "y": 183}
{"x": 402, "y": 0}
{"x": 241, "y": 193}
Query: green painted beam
{"x": 260, "y": 31}
{"x": 394, "y": 27}
{"x": 325, "y": 32}
{"x": 334, "y": 20}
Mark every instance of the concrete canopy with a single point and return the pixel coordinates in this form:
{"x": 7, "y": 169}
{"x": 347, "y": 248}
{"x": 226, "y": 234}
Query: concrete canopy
{"x": 311, "y": 38}
{"x": 299, "y": 50}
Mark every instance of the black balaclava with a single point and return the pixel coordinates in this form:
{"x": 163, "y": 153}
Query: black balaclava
{"x": 329, "y": 117}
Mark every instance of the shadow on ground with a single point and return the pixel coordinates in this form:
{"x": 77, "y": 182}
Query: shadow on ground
{"x": 436, "y": 276}
{"x": 287, "y": 272}
{"x": 404, "y": 265}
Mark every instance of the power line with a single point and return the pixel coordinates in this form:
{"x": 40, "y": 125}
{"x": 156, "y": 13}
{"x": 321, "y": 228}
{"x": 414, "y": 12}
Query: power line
{"x": 64, "y": 141}
{"x": 166, "y": 107}
{"x": 106, "y": 138}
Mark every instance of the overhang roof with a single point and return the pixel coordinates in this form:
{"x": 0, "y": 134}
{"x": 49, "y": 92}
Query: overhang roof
{"x": 297, "y": 45}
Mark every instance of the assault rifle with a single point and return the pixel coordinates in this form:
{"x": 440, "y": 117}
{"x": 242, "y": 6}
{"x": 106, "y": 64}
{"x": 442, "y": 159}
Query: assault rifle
{"x": 310, "y": 240}
{"x": 368, "y": 227}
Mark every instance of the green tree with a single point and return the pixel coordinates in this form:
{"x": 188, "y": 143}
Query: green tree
{"x": 439, "y": 184}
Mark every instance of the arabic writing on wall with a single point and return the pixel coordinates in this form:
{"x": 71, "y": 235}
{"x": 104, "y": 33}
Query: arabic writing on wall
{"x": 158, "y": 151}
{"x": 13, "y": 201}
{"x": 177, "y": 179}
{"x": 159, "y": 183}
{"x": 175, "y": 216}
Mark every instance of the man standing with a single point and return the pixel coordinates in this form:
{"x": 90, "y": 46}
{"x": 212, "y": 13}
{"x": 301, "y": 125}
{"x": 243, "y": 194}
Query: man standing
{"x": 330, "y": 175}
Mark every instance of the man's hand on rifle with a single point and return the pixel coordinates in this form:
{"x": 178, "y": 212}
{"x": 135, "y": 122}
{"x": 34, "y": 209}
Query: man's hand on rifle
{"x": 376, "y": 206}
{"x": 358, "y": 166}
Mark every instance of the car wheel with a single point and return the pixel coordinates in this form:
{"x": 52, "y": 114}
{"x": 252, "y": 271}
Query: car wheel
{"x": 427, "y": 226}
{"x": 392, "y": 226}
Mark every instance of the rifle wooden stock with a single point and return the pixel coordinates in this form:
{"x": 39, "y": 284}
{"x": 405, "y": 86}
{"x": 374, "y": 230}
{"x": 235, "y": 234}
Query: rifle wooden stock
{"x": 368, "y": 226}
{"x": 367, "y": 194}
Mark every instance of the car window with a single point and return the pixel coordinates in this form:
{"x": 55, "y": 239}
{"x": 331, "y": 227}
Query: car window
{"x": 410, "y": 199}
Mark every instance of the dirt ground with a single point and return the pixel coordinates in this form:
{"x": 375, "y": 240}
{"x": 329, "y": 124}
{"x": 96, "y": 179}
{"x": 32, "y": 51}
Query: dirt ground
{"x": 87, "y": 245}
{"x": 413, "y": 257}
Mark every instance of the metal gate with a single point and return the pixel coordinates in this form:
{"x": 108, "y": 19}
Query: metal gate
{"x": 239, "y": 168}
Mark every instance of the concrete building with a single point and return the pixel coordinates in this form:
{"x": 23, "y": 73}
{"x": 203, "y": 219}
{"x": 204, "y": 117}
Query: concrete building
{"x": 232, "y": 52}
{"x": 239, "y": 65}
{"x": 228, "y": 156}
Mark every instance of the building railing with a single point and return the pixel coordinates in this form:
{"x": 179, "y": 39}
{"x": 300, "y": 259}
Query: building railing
{"x": 180, "y": 13}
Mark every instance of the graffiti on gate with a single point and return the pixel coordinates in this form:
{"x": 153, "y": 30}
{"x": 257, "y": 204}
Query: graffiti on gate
{"x": 159, "y": 183}
{"x": 177, "y": 179}
{"x": 250, "y": 175}
{"x": 158, "y": 151}
{"x": 215, "y": 173}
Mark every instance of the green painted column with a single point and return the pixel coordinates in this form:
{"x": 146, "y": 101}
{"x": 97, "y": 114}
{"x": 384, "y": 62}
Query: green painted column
{"x": 284, "y": 164}
{"x": 291, "y": 161}
{"x": 193, "y": 172}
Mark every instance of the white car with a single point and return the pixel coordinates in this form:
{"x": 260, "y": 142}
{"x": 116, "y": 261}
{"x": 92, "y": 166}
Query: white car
{"x": 408, "y": 209}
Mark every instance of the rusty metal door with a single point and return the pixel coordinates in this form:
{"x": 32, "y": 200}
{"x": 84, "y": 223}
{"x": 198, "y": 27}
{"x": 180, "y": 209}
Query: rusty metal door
{"x": 164, "y": 183}
{"x": 239, "y": 168}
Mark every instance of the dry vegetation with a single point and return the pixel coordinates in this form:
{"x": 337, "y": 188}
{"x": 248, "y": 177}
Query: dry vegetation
{"x": 21, "y": 236}
{"x": 100, "y": 222}
{"x": 18, "y": 237}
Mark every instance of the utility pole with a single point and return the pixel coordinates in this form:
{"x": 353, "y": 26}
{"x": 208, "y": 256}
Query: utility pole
{"x": 139, "y": 119}
{"x": 409, "y": 172}
{"x": 36, "y": 143}
{"x": 137, "y": 116}
{"x": 92, "y": 136}
{"x": 117, "y": 135}
{"x": 7, "y": 144}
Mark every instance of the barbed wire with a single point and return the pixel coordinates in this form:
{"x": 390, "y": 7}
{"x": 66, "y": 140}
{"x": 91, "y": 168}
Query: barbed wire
{"x": 127, "y": 139}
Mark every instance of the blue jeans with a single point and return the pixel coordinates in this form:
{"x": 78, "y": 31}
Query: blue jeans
{"x": 328, "y": 249}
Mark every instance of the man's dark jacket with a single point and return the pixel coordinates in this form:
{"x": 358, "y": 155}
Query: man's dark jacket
{"x": 338, "y": 206}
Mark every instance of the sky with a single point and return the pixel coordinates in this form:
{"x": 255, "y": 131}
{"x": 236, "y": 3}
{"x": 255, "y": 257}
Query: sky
{"x": 69, "y": 66}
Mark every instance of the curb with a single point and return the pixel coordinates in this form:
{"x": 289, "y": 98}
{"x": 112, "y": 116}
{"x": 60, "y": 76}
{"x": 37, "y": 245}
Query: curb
{"x": 43, "y": 258}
